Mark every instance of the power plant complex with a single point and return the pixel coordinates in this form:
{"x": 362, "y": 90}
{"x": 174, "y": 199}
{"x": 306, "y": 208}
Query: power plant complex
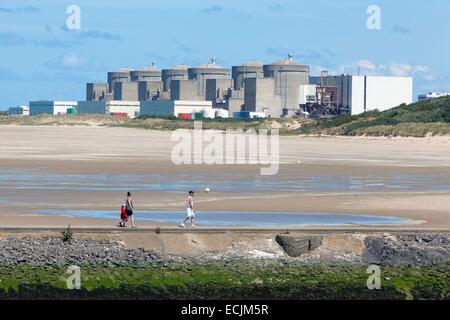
{"x": 283, "y": 88}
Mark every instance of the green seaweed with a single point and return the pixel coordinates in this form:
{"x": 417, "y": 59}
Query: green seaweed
{"x": 226, "y": 281}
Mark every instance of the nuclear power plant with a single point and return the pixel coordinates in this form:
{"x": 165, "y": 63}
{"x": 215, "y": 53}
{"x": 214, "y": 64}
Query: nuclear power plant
{"x": 283, "y": 88}
{"x": 272, "y": 89}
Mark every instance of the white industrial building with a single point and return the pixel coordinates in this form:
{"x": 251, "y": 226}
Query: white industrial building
{"x": 168, "y": 108}
{"x": 358, "y": 94}
{"x": 131, "y": 108}
{"x": 307, "y": 94}
{"x": 433, "y": 95}
{"x": 51, "y": 107}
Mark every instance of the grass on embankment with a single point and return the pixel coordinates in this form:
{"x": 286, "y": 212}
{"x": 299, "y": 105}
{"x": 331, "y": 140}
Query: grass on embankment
{"x": 231, "y": 281}
{"x": 430, "y": 117}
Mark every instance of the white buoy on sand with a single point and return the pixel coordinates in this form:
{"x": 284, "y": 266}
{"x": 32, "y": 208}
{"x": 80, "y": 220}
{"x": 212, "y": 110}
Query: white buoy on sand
{"x": 207, "y": 190}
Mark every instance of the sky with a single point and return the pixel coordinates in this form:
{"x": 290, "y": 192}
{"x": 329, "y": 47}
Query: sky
{"x": 45, "y": 56}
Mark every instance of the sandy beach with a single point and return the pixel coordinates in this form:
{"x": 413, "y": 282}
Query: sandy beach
{"x": 39, "y": 152}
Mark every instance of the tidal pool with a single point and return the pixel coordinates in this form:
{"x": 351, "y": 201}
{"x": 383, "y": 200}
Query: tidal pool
{"x": 244, "y": 218}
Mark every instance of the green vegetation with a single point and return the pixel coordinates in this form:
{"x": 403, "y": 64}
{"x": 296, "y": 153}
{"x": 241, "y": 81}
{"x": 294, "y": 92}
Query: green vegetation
{"x": 67, "y": 234}
{"x": 223, "y": 280}
{"x": 173, "y": 123}
{"x": 61, "y": 120}
{"x": 430, "y": 117}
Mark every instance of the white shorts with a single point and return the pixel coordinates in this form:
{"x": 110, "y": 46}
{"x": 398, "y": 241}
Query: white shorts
{"x": 190, "y": 213}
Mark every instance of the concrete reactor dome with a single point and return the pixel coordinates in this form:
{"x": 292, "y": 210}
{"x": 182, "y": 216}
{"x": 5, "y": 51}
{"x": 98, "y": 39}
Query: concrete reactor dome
{"x": 287, "y": 65}
{"x": 207, "y": 71}
{"x": 150, "y": 73}
{"x": 179, "y": 67}
{"x": 210, "y": 68}
{"x": 251, "y": 63}
{"x": 249, "y": 69}
{"x": 178, "y": 72}
{"x": 288, "y": 75}
{"x": 122, "y": 75}
{"x": 125, "y": 69}
{"x": 207, "y": 66}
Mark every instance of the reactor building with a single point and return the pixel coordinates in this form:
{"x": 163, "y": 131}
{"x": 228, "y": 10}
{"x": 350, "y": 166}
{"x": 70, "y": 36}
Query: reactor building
{"x": 283, "y": 88}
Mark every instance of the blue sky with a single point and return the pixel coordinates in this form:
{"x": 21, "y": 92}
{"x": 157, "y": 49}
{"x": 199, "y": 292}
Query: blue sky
{"x": 41, "y": 59}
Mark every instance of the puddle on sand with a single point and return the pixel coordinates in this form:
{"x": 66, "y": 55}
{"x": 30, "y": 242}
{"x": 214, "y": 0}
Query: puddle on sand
{"x": 233, "y": 218}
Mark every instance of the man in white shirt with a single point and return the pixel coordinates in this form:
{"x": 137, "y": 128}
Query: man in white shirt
{"x": 190, "y": 212}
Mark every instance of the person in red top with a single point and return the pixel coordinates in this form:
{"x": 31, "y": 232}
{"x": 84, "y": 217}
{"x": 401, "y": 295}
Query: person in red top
{"x": 123, "y": 216}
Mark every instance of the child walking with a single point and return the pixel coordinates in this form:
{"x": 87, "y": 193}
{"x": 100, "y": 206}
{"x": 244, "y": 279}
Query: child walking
{"x": 123, "y": 216}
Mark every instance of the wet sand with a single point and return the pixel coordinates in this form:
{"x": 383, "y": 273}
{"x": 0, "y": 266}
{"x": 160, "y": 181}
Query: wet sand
{"x": 89, "y": 150}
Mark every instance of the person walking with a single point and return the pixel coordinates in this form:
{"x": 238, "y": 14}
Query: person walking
{"x": 123, "y": 216}
{"x": 129, "y": 207}
{"x": 190, "y": 212}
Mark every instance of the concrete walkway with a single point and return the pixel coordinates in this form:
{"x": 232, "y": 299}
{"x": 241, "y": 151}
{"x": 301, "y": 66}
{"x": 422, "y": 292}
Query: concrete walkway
{"x": 211, "y": 230}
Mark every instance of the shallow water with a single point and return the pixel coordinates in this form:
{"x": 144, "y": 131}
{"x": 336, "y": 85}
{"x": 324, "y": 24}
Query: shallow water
{"x": 217, "y": 181}
{"x": 228, "y": 218}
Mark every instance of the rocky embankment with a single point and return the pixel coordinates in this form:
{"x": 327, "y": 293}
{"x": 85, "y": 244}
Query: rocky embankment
{"x": 384, "y": 249}
{"x": 54, "y": 252}
{"x": 412, "y": 249}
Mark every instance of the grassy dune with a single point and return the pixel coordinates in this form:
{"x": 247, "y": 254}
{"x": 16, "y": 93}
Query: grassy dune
{"x": 431, "y": 117}
{"x": 146, "y": 122}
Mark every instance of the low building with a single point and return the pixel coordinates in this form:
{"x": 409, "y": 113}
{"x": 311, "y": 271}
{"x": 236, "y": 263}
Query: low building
{"x": 433, "y": 95}
{"x": 222, "y": 113}
{"x": 131, "y": 108}
{"x": 51, "y": 107}
{"x": 19, "y": 111}
{"x": 169, "y": 108}
{"x": 113, "y": 107}
{"x": 92, "y": 107}
{"x": 249, "y": 115}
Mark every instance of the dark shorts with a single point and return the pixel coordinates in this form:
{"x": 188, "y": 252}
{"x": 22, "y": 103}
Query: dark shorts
{"x": 129, "y": 212}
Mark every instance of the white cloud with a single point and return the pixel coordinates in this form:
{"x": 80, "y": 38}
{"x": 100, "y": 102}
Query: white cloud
{"x": 365, "y": 67}
{"x": 73, "y": 61}
{"x": 405, "y": 69}
{"x": 429, "y": 77}
{"x": 364, "y": 64}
